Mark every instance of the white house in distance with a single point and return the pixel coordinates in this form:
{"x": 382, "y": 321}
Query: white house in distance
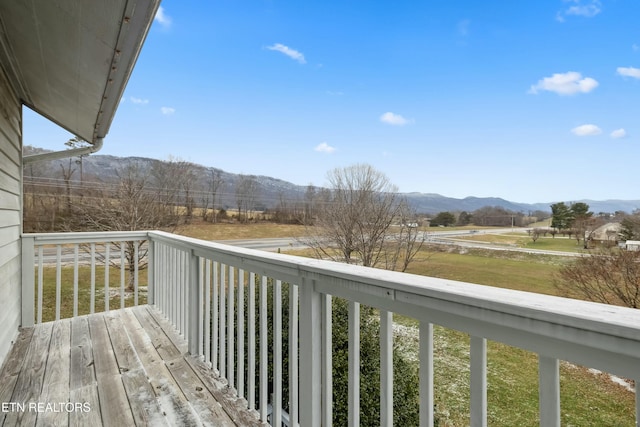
{"x": 607, "y": 234}
{"x": 68, "y": 60}
{"x": 632, "y": 245}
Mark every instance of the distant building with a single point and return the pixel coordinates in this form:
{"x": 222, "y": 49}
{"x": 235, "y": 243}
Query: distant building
{"x": 632, "y": 245}
{"x": 607, "y": 234}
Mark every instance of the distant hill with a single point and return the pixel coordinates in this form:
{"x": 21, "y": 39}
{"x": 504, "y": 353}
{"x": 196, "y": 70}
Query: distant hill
{"x": 104, "y": 168}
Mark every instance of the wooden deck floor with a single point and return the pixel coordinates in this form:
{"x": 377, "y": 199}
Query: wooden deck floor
{"x": 121, "y": 368}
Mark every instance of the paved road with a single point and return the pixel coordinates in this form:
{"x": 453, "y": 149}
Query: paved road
{"x": 449, "y": 238}
{"x": 442, "y": 237}
{"x": 270, "y": 245}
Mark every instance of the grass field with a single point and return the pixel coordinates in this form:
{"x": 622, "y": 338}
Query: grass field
{"x": 522, "y": 240}
{"x": 231, "y": 231}
{"x": 84, "y": 291}
{"x": 512, "y": 270}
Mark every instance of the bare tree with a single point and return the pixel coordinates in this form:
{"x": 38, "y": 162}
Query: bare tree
{"x": 187, "y": 175}
{"x": 610, "y": 276}
{"x": 535, "y": 234}
{"x": 246, "y": 196}
{"x": 130, "y": 205}
{"x": 216, "y": 184}
{"x": 167, "y": 181}
{"x": 67, "y": 173}
{"x": 77, "y": 142}
{"x": 405, "y": 242}
{"x": 355, "y": 218}
{"x": 40, "y": 196}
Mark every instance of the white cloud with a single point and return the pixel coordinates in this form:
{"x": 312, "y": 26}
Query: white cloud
{"x": 162, "y": 18}
{"x": 586, "y": 130}
{"x": 139, "y": 101}
{"x": 568, "y": 83}
{"x": 584, "y": 8}
{"x": 323, "y": 147}
{"x": 629, "y": 72}
{"x": 167, "y": 111}
{"x": 291, "y": 53}
{"x": 618, "y": 133}
{"x": 635, "y": 47}
{"x": 393, "y": 119}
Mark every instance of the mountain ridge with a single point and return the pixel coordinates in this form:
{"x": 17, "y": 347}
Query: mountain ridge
{"x": 104, "y": 167}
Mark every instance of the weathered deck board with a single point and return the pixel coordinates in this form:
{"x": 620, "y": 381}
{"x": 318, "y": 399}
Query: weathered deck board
{"x": 12, "y": 367}
{"x": 82, "y": 370}
{"x": 55, "y": 387}
{"x": 31, "y": 377}
{"x": 87, "y": 395}
{"x": 144, "y": 405}
{"x": 159, "y": 339}
{"x": 124, "y": 367}
{"x": 114, "y": 405}
{"x": 201, "y": 399}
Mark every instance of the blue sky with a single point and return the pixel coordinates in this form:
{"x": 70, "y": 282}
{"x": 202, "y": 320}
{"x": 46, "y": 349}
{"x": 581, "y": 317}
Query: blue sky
{"x": 532, "y": 101}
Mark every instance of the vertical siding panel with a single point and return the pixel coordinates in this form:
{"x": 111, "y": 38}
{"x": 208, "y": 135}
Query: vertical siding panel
{"x": 11, "y": 212}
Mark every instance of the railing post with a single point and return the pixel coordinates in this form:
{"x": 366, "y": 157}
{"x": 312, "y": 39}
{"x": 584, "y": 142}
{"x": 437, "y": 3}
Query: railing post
{"x": 478, "y": 362}
{"x": 327, "y": 361}
{"x": 194, "y": 303}
{"x": 549, "y": 391}
{"x": 310, "y": 348}
{"x": 426, "y": 375}
{"x": 386, "y": 368}
{"x": 354, "y": 365}
{"x": 151, "y": 264}
{"x": 637, "y": 403}
{"x": 28, "y": 280}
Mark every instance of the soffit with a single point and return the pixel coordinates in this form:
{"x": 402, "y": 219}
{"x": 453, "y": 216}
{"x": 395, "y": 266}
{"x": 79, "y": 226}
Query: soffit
{"x": 70, "y": 60}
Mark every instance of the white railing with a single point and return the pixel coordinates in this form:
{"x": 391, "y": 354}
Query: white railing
{"x": 56, "y": 266}
{"x": 216, "y": 296}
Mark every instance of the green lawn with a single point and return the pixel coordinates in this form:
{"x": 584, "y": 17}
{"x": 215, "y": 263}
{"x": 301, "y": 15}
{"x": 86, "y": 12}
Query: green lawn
{"x": 84, "y": 291}
{"x": 521, "y": 240}
{"x": 512, "y": 270}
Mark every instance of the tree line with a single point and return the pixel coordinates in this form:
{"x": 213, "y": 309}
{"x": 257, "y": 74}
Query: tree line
{"x": 495, "y": 216}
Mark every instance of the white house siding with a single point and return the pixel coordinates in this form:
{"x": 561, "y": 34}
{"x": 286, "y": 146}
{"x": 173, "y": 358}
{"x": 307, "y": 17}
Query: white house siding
{"x": 10, "y": 214}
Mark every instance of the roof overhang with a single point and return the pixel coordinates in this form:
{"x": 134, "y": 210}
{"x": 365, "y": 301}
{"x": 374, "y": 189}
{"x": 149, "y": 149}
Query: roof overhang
{"x": 70, "y": 60}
